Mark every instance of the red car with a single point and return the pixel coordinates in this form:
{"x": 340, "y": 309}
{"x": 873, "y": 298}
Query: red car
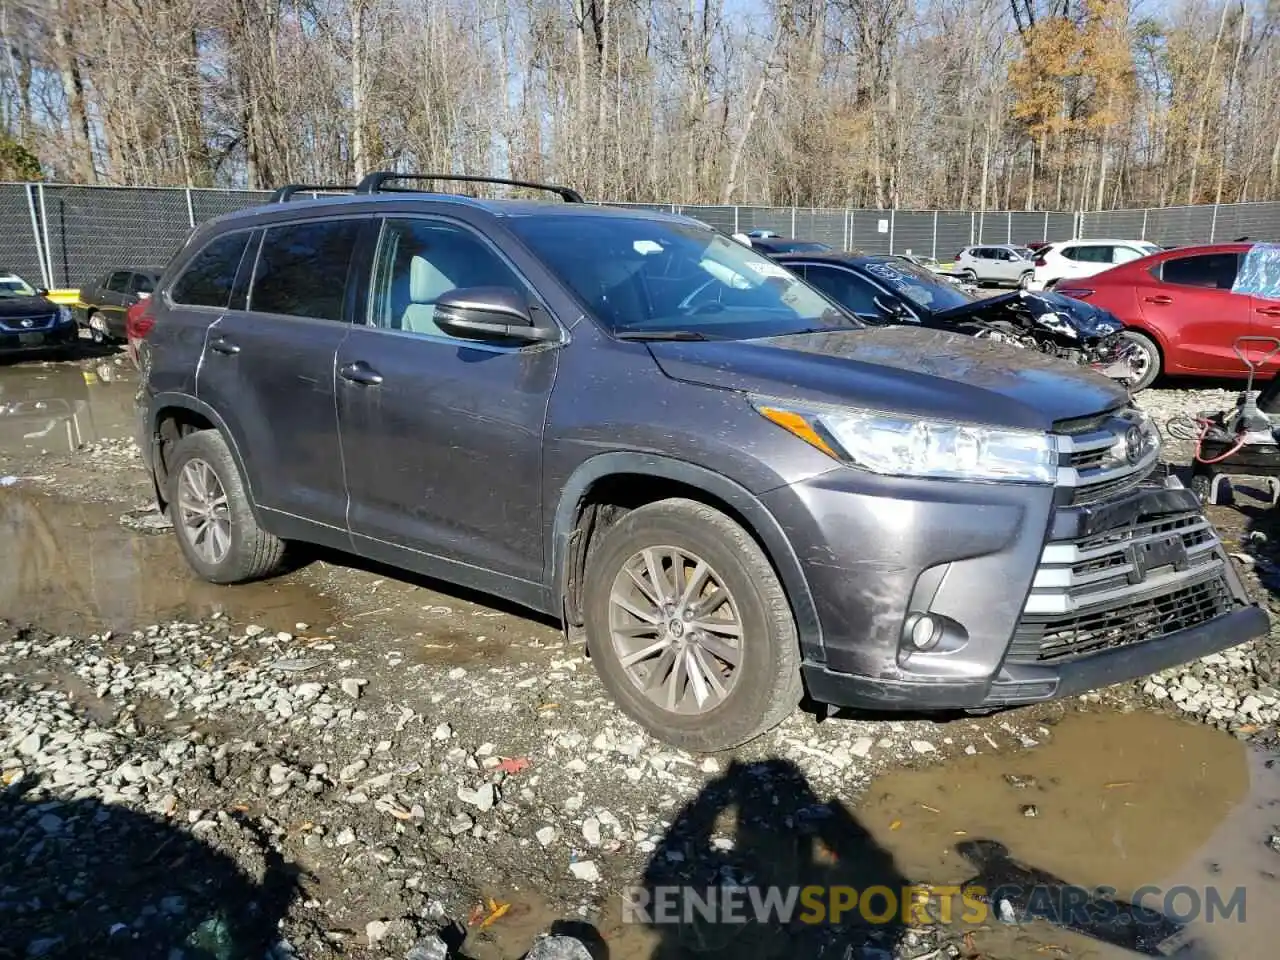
{"x": 1178, "y": 307}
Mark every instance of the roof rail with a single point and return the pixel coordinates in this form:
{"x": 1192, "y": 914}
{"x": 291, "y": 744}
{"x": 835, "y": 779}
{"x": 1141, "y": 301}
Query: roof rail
{"x": 287, "y": 192}
{"x": 374, "y": 181}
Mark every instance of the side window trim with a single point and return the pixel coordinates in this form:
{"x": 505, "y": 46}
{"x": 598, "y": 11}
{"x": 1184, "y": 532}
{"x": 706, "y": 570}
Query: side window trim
{"x": 536, "y": 299}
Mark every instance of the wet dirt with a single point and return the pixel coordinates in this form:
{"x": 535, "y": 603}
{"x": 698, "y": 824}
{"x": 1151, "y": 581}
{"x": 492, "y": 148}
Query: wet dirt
{"x": 54, "y": 408}
{"x": 1112, "y": 800}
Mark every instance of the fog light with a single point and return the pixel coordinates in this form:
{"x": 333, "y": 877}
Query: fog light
{"x": 923, "y": 631}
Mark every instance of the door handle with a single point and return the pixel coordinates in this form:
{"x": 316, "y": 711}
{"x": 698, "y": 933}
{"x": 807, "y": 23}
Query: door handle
{"x": 1269, "y": 311}
{"x": 223, "y": 345}
{"x": 1159, "y": 298}
{"x": 360, "y": 372}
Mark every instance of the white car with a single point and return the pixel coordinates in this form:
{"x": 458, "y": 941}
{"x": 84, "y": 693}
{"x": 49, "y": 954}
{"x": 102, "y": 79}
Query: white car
{"x": 1004, "y": 263}
{"x": 1071, "y": 259}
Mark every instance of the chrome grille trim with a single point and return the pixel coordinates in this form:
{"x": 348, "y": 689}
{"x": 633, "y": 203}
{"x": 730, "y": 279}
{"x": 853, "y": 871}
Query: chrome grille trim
{"x": 1094, "y": 464}
{"x": 1103, "y": 570}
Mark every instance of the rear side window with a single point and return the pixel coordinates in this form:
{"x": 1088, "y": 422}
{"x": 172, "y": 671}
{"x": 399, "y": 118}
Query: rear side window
{"x": 1213, "y": 270}
{"x": 208, "y": 279}
{"x": 302, "y": 269}
{"x": 851, "y": 292}
{"x": 1094, "y": 253}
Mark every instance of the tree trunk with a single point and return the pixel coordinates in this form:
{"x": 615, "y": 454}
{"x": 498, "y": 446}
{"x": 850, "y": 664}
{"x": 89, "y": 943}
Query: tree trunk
{"x": 1204, "y": 107}
{"x": 735, "y": 159}
{"x": 359, "y": 109}
{"x": 69, "y": 73}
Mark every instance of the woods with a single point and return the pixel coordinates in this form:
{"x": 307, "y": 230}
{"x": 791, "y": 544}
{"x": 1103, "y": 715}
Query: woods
{"x": 983, "y": 104}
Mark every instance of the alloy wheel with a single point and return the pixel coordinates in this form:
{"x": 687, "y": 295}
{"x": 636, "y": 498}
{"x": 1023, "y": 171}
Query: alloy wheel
{"x": 203, "y": 512}
{"x": 676, "y": 629}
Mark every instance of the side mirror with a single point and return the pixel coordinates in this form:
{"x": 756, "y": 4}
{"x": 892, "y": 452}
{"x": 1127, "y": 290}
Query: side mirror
{"x": 42, "y": 291}
{"x": 488, "y": 314}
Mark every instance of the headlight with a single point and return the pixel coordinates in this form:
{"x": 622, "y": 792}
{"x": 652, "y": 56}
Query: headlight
{"x": 64, "y": 315}
{"x": 895, "y": 445}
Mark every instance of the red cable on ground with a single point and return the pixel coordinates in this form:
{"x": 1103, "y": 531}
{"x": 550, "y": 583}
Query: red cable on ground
{"x": 1204, "y": 428}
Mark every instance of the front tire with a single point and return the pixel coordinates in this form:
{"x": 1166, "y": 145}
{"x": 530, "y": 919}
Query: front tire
{"x": 1146, "y": 366}
{"x": 689, "y": 627}
{"x": 98, "y": 330}
{"x": 211, "y": 514}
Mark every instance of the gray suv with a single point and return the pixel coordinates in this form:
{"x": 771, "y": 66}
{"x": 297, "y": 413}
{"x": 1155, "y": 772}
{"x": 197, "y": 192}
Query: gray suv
{"x": 735, "y": 492}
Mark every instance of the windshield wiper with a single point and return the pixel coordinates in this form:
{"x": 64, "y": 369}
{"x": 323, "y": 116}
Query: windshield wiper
{"x": 660, "y": 335}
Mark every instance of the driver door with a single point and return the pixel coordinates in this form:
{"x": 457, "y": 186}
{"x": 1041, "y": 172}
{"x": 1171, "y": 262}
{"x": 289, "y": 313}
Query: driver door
{"x": 441, "y": 437}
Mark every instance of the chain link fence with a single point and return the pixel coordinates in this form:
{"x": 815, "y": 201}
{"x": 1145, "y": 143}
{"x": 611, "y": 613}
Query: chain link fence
{"x": 66, "y": 236}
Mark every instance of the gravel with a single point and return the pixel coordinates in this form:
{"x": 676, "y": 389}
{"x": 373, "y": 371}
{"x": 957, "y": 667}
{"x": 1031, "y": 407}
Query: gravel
{"x": 268, "y": 785}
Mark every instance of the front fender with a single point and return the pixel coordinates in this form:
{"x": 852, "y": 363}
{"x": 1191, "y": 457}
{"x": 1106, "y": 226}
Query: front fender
{"x": 760, "y": 522}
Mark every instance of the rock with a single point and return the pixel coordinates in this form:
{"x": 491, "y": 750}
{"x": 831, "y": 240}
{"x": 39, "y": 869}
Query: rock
{"x": 30, "y": 745}
{"x": 278, "y": 773}
{"x": 546, "y": 835}
{"x": 442, "y": 732}
{"x": 1191, "y": 684}
{"x": 460, "y": 824}
{"x": 1250, "y": 706}
{"x": 482, "y": 798}
{"x": 709, "y": 765}
{"x": 375, "y": 930}
{"x": 253, "y": 630}
{"x": 50, "y": 823}
{"x": 352, "y": 686}
{"x": 558, "y": 948}
{"x": 922, "y": 746}
{"x": 428, "y": 948}
{"x": 1274, "y": 843}
{"x": 1030, "y": 810}
{"x": 862, "y": 747}
{"x": 591, "y": 831}
{"x": 576, "y": 765}
{"x": 346, "y": 836}
{"x": 585, "y": 870}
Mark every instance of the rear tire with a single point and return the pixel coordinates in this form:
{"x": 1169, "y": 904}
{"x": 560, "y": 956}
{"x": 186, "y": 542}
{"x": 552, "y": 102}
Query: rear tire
{"x": 98, "y": 329}
{"x": 1024, "y": 281}
{"x": 757, "y": 692}
{"x": 204, "y": 484}
{"x": 968, "y": 276}
{"x": 1150, "y": 363}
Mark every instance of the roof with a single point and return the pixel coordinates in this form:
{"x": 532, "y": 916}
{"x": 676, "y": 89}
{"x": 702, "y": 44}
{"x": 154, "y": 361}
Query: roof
{"x": 498, "y": 208}
{"x": 834, "y": 256}
{"x": 1102, "y": 240}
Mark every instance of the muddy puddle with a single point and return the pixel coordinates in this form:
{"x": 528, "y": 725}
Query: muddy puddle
{"x": 55, "y": 408}
{"x": 1121, "y": 801}
{"x": 70, "y": 566}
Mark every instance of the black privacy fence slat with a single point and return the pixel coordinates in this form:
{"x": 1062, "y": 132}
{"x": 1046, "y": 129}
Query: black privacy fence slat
{"x": 60, "y": 235}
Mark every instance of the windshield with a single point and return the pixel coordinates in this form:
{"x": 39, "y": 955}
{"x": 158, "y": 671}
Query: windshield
{"x": 1148, "y": 248}
{"x": 922, "y": 287}
{"x": 14, "y": 286}
{"x": 647, "y": 276}
{"x": 1025, "y": 253}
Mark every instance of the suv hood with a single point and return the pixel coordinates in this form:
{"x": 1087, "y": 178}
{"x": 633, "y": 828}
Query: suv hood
{"x": 25, "y": 306}
{"x": 927, "y": 373}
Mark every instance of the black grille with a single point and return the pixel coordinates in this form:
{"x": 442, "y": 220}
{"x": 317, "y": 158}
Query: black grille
{"x": 1041, "y": 639}
{"x": 1089, "y": 459}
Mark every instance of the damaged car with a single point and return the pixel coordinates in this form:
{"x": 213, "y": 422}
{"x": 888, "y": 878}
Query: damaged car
{"x": 893, "y": 290}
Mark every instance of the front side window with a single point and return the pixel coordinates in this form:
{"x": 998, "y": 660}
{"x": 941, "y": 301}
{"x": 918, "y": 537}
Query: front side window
{"x": 420, "y": 260}
{"x": 142, "y": 283}
{"x": 1212, "y": 270}
{"x": 119, "y": 282}
{"x": 640, "y": 276}
{"x": 209, "y": 277}
{"x": 302, "y": 269}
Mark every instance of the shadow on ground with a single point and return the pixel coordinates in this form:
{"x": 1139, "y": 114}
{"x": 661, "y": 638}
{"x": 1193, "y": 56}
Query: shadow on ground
{"x": 81, "y": 879}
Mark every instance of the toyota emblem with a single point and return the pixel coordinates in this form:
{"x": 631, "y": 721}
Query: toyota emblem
{"x": 1133, "y": 444}
{"x": 27, "y": 323}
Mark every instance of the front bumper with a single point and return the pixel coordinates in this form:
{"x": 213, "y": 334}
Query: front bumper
{"x": 53, "y": 338}
{"x": 1038, "y": 600}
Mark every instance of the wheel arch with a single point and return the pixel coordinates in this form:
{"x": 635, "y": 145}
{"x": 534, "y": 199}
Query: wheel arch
{"x": 648, "y": 478}
{"x": 171, "y": 416}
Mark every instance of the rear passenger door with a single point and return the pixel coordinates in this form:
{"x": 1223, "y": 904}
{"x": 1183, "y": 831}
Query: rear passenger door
{"x": 442, "y": 437}
{"x": 113, "y": 304}
{"x": 268, "y": 367}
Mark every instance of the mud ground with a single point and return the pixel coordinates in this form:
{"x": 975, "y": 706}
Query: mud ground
{"x": 348, "y": 761}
